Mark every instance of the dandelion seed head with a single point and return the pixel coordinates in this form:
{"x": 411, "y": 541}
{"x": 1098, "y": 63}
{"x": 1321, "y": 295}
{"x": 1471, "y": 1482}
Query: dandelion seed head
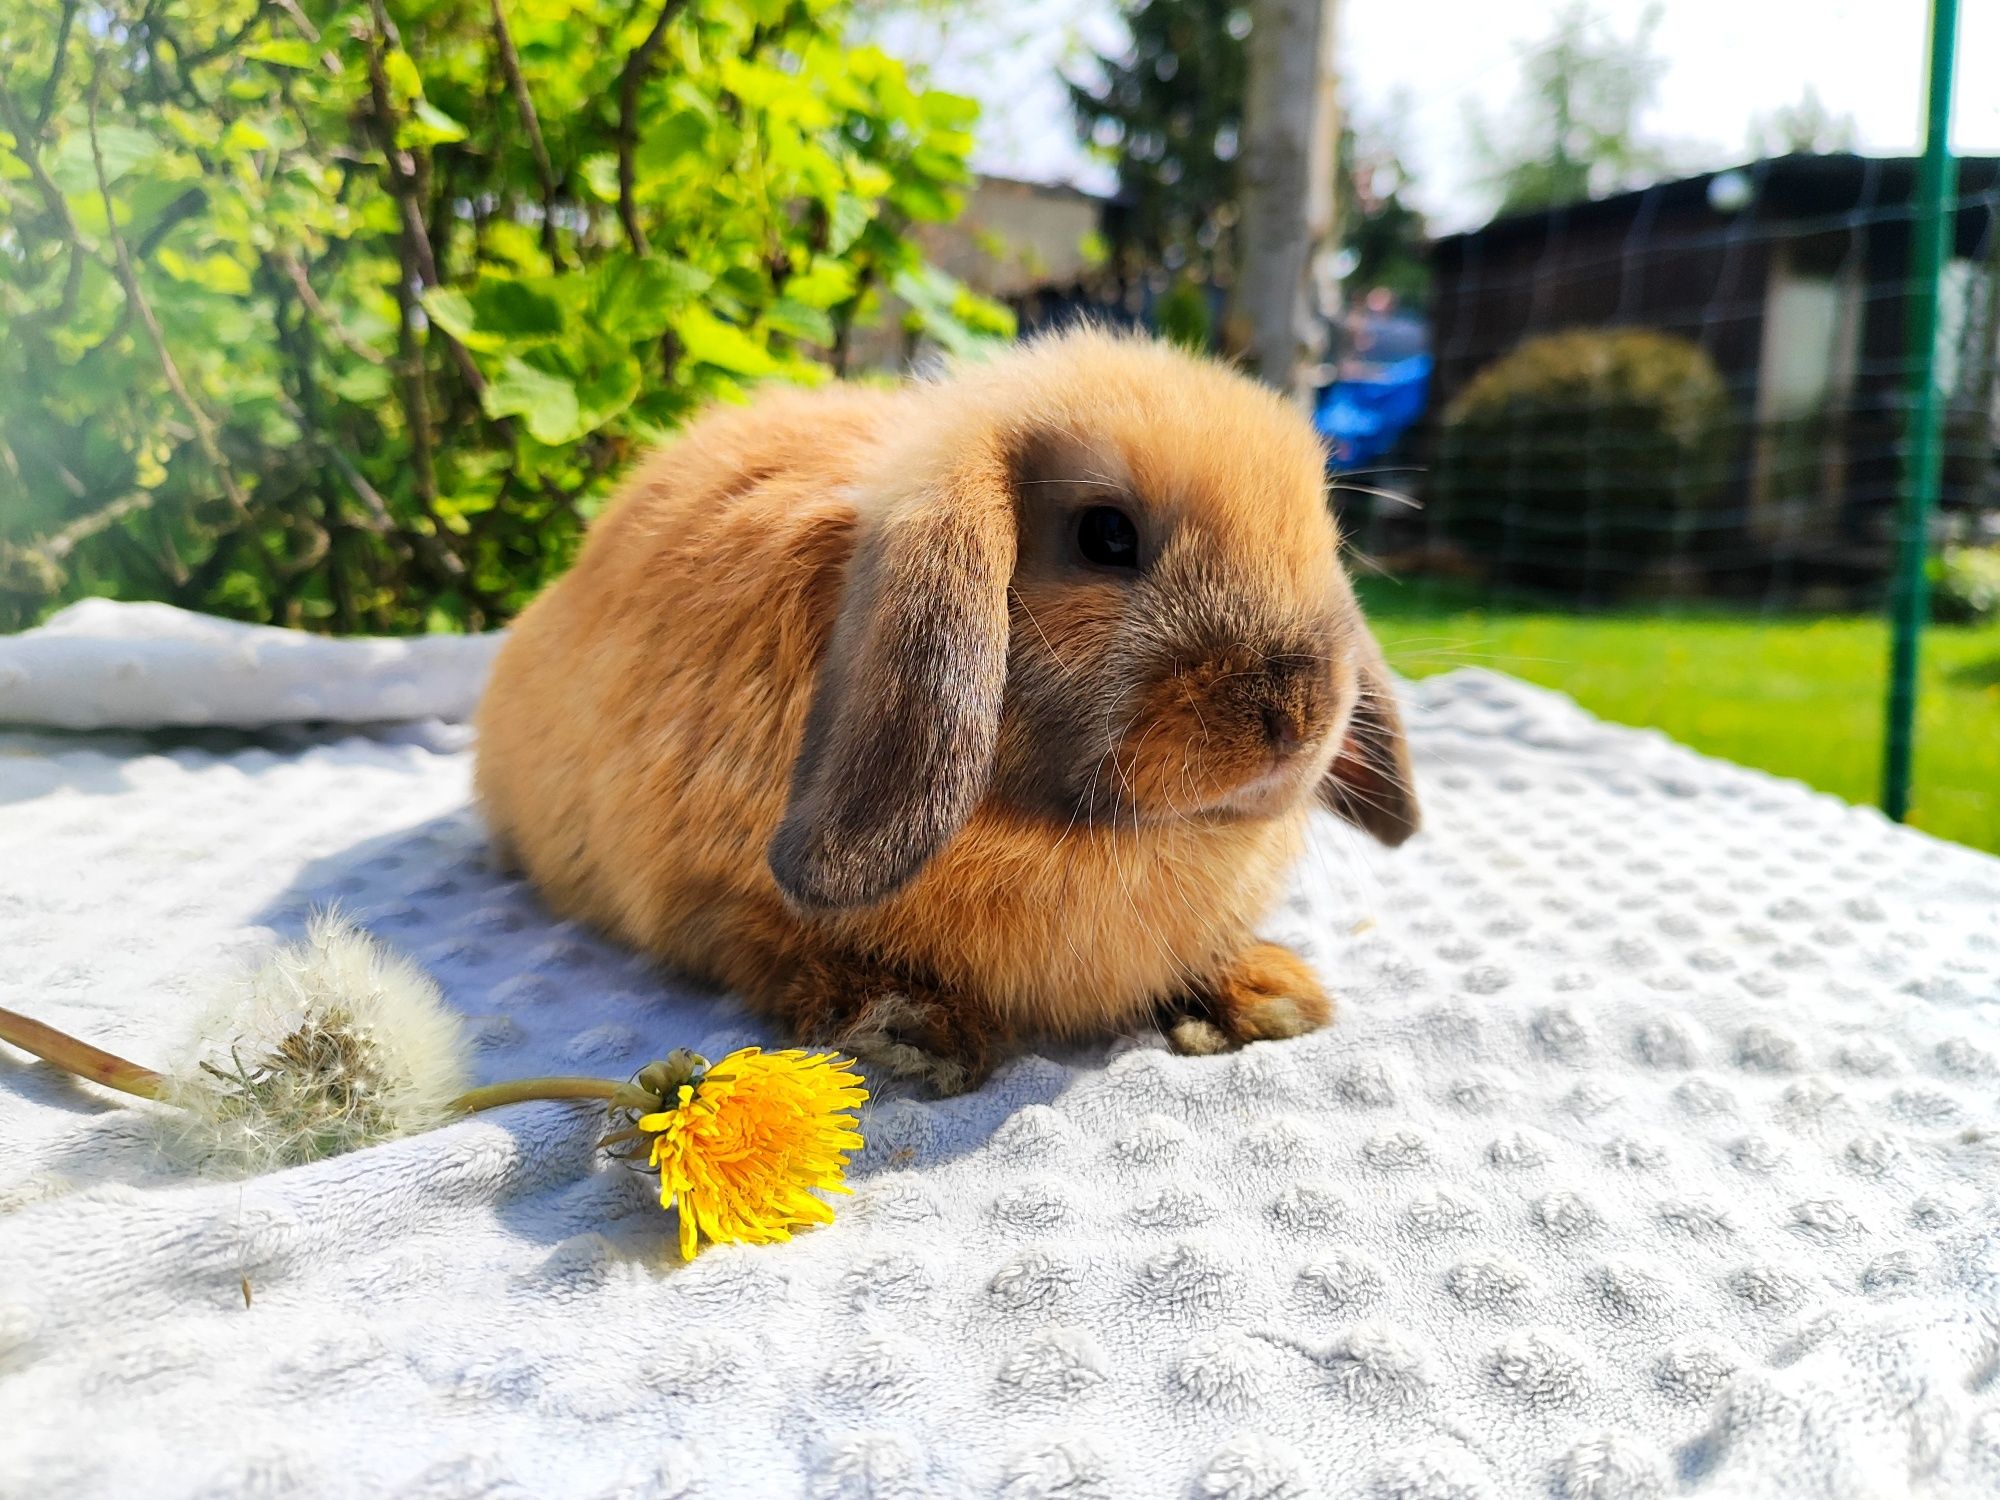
{"x": 322, "y": 1046}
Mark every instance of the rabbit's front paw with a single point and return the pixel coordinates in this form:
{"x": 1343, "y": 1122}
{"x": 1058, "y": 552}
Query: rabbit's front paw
{"x": 892, "y": 1025}
{"x": 1267, "y": 993}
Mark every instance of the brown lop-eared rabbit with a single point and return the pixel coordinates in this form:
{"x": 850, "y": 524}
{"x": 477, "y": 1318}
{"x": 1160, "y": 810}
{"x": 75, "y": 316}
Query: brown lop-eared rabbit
{"x": 932, "y": 718}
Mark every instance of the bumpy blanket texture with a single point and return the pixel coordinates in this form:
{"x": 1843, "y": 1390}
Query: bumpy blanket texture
{"x": 1656, "y": 1150}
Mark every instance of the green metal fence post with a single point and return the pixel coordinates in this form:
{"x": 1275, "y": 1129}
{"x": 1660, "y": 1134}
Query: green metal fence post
{"x": 1931, "y": 234}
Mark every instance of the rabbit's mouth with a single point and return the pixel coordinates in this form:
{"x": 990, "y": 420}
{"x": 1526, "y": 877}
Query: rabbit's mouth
{"x": 1270, "y": 792}
{"x": 1223, "y": 773}
{"x": 1240, "y": 735}
{"x": 1286, "y": 778}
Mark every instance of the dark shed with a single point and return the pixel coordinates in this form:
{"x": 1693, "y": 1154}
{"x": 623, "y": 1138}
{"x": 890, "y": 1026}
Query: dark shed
{"x": 1793, "y": 274}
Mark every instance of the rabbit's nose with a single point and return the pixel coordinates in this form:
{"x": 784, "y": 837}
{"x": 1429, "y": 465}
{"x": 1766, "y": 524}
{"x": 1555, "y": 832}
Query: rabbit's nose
{"x": 1288, "y": 696}
{"x": 1282, "y": 728}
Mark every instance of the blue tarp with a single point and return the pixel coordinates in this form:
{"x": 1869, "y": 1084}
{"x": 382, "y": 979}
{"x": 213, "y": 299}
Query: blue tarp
{"x": 1363, "y": 414}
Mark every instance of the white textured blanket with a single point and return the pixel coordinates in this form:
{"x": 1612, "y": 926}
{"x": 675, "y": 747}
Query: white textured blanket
{"x": 1656, "y": 1150}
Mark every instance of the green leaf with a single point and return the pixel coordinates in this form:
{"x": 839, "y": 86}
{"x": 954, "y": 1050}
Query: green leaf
{"x": 363, "y": 384}
{"x": 925, "y": 201}
{"x": 547, "y": 403}
{"x": 123, "y": 147}
{"x": 769, "y": 151}
{"x": 940, "y": 164}
{"x": 600, "y": 175}
{"x": 948, "y": 312}
{"x": 428, "y": 126}
{"x": 498, "y": 311}
{"x": 850, "y": 215}
{"x": 950, "y": 111}
{"x": 283, "y": 52}
{"x": 511, "y": 242}
{"x": 789, "y": 315}
{"x": 639, "y": 299}
{"x": 868, "y": 181}
{"x": 243, "y": 136}
{"x": 445, "y": 616}
{"x": 450, "y": 309}
{"x": 706, "y": 339}
{"x": 829, "y": 283}
{"x": 741, "y": 287}
{"x": 672, "y": 145}
{"x": 515, "y": 311}
{"x": 405, "y": 82}
{"x": 608, "y": 389}
{"x": 756, "y": 84}
{"x": 215, "y": 273}
{"x": 146, "y": 198}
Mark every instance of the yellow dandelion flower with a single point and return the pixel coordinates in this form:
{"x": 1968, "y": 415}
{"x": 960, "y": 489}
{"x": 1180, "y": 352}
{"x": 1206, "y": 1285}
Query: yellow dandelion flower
{"x": 751, "y": 1140}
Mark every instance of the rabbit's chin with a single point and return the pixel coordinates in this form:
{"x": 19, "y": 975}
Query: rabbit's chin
{"x": 1274, "y": 792}
{"x": 1269, "y": 794}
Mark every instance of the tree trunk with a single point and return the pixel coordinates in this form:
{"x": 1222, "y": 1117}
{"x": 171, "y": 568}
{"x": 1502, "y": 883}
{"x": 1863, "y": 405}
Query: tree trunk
{"x": 1284, "y": 284}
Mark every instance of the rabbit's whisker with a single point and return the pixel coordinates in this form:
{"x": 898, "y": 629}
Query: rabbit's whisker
{"x": 1054, "y": 655}
{"x": 1363, "y": 489}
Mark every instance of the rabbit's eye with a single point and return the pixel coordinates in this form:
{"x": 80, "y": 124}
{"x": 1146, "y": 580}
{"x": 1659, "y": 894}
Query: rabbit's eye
{"x": 1106, "y": 537}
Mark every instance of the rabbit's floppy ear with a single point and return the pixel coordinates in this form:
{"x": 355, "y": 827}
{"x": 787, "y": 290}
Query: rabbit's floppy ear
{"x": 1370, "y": 782}
{"x": 899, "y": 741}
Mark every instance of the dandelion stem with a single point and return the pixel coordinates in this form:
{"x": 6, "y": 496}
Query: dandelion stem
{"x": 520, "y": 1090}
{"x": 73, "y": 1055}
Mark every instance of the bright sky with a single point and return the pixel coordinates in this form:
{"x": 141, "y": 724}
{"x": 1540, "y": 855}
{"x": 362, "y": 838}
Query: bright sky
{"x": 1728, "y": 61}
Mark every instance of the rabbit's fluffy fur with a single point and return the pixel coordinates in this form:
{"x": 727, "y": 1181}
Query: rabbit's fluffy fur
{"x": 834, "y": 710}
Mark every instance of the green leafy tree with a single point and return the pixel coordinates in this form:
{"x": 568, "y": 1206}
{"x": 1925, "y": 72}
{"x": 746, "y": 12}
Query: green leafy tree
{"x": 1169, "y": 111}
{"x": 346, "y": 313}
{"x": 1575, "y": 133}
{"x": 1382, "y": 231}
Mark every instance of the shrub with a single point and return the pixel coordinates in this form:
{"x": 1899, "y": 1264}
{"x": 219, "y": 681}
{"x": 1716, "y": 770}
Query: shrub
{"x": 344, "y": 313}
{"x": 1580, "y": 458}
{"x": 1965, "y": 585}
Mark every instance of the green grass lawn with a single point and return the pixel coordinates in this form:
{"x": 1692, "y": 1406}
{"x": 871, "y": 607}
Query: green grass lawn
{"x": 1800, "y": 697}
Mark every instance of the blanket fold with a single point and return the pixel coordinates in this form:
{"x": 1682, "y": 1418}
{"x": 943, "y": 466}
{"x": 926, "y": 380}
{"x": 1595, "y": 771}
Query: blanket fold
{"x": 106, "y": 664}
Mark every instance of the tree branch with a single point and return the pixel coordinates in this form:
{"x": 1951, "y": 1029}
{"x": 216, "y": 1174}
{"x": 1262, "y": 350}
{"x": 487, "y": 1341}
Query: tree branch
{"x": 298, "y": 18}
{"x": 296, "y": 274}
{"x": 524, "y": 103}
{"x": 419, "y": 263}
{"x": 190, "y": 202}
{"x": 402, "y": 166}
{"x": 380, "y": 522}
{"x": 189, "y": 61}
{"x": 54, "y": 81}
{"x": 310, "y": 32}
{"x": 52, "y": 196}
{"x": 135, "y": 297}
{"x": 629, "y": 79}
{"x": 59, "y": 544}
{"x": 445, "y": 564}
{"x": 419, "y": 269}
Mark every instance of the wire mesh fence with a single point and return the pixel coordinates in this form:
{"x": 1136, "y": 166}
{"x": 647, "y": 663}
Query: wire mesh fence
{"x": 1663, "y": 460}
{"x": 1645, "y": 435}
{"x": 1699, "y": 389}
{"x": 1676, "y": 420}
